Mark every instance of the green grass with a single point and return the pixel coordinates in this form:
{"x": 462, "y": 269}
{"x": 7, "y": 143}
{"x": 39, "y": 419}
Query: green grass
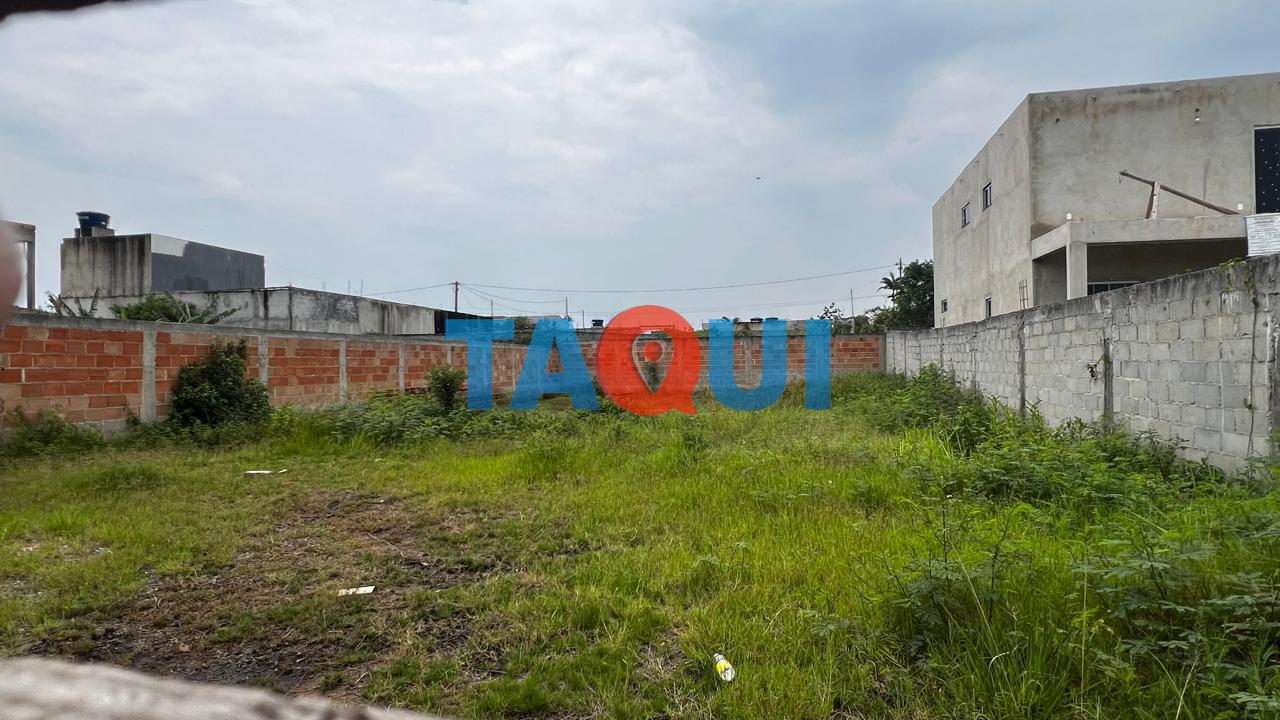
{"x": 887, "y": 558}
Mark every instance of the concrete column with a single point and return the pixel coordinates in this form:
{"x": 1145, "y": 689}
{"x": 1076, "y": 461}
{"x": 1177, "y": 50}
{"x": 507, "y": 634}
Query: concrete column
{"x": 147, "y": 401}
{"x": 264, "y": 359}
{"x": 1077, "y": 269}
{"x": 342, "y": 370}
{"x": 400, "y": 367}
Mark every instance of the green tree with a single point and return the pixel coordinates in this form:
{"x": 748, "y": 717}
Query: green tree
{"x": 910, "y": 298}
{"x": 910, "y": 304}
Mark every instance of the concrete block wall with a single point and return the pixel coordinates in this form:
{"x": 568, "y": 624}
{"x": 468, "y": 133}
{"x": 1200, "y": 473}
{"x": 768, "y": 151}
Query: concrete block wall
{"x": 106, "y": 371}
{"x": 1190, "y": 358}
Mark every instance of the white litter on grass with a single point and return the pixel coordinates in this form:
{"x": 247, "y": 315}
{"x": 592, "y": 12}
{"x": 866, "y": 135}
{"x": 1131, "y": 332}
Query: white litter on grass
{"x": 724, "y": 669}
{"x": 258, "y": 473}
{"x": 365, "y": 590}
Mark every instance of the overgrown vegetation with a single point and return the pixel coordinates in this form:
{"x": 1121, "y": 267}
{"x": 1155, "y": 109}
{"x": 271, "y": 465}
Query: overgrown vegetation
{"x": 46, "y": 433}
{"x": 164, "y": 307}
{"x": 214, "y": 391}
{"x": 72, "y": 307}
{"x": 445, "y": 383}
{"x": 918, "y": 551}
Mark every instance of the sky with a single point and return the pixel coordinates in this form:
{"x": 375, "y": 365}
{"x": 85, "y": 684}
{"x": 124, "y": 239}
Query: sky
{"x": 537, "y": 149}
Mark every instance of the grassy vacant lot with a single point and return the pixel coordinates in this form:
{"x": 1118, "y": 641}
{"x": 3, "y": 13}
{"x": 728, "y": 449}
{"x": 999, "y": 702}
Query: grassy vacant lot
{"x": 913, "y": 553}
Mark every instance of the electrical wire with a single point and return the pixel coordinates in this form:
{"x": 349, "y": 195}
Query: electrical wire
{"x": 474, "y": 288}
{"x": 408, "y": 290}
{"x": 826, "y": 300}
{"x": 655, "y": 290}
{"x": 690, "y": 289}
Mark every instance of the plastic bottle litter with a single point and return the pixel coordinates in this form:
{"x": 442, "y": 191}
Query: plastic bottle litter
{"x": 726, "y": 671}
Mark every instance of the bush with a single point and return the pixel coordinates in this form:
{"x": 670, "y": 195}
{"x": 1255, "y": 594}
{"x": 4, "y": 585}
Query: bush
{"x": 46, "y": 434}
{"x": 214, "y": 391}
{"x": 445, "y": 385}
{"x": 388, "y": 419}
{"x": 167, "y": 308}
{"x": 935, "y": 399}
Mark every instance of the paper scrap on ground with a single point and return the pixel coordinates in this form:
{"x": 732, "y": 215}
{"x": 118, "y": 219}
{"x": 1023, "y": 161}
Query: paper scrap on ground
{"x": 357, "y": 590}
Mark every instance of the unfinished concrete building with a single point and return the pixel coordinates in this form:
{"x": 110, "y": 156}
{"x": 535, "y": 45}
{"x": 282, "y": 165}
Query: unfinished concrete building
{"x": 97, "y": 260}
{"x": 120, "y": 270}
{"x": 1043, "y": 213}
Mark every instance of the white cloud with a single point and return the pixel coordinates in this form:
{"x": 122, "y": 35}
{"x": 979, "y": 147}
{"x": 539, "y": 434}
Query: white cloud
{"x": 577, "y": 142}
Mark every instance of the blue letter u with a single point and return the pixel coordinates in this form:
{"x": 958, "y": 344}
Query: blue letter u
{"x": 773, "y": 369}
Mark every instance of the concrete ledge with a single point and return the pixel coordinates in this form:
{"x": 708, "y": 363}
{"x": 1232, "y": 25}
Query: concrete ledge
{"x": 39, "y": 689}
{"x": 1211, "y": 227}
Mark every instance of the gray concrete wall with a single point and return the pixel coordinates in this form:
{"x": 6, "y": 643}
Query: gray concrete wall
{"x": 289, "y": 308}
{"x": 124, "y": 265}
{"x": 113, "y": 264}
{"x": 992, "y": 255}
{"x": 184, "y": 265}
{"x": 1081, "y": 139}
{"x": 1190, "y": 358}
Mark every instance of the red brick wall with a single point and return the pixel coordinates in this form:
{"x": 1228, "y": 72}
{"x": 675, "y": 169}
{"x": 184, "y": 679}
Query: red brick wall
{"x": 303, "y": 372}
{"x": 88, "y": 375}
{"x": 97, "y": 370}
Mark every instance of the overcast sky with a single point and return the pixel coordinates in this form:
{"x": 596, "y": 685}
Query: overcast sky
{"x": 557, "y": 144}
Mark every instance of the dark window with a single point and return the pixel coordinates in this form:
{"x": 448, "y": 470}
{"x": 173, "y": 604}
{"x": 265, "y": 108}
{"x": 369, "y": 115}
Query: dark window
{"x": 988, "y": 307}
{"x": 944, "y": 306}
{"x": 1100, "y": 287}
{"x": 1266, "y": 168}
{"x": 986, "y": 196}
{"x": 964, "y": 215}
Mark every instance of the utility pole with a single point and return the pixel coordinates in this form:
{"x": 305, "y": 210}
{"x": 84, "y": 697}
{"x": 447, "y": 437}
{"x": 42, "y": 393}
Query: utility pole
{"x": 899, "y": 267}
{"x": 566, "y": 309}
{"x": 455, "y": 296}
{"x": 851, "y": 310}
{"x": 491, "y": 309}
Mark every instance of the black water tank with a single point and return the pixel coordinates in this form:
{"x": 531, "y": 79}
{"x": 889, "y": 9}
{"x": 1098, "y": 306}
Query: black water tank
{"x": 90, "y": 220}
{"x": 597, "y": 323}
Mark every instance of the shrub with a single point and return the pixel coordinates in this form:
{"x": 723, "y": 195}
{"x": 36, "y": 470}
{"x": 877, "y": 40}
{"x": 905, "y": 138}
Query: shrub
{"x": 46, "y": 434}
{"x": 214, "y": 391}
{"x": 167, "y": 308}
{"x": 934, "y": 398}
{"x": 388, "y": 419}
{"x": 445, "y": 385}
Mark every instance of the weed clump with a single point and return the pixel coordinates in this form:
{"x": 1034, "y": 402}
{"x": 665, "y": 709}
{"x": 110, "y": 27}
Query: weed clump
{"x": 445, "y": 384}
{"x": 214, "y": 391}
{"x": 47, "y": 433}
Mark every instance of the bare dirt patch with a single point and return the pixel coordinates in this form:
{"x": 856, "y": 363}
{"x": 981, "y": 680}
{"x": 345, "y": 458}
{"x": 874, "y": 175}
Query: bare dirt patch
{"x": 272, "y": 617}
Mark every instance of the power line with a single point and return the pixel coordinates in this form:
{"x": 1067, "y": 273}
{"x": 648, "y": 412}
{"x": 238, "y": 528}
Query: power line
{"x": 654, "y": 290}
{"x": 827, "y": 300}
{"x": 689, "y": 289}
{"x": 408, "y": 290}
{"x": 472, "y": 294}
{"x": 474, "y": 289}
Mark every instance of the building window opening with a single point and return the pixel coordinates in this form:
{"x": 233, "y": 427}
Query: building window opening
{"x": 1101, "y": 287}
{"x": 944, "y": 306}
{"x": 1266, "y": 167}
{"x": 964, "y": 215}
{"x": 986, "y": 196}
{"x": 988, "y": 307}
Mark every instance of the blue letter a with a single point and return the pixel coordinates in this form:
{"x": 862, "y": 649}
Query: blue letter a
{"x": 479, "y": 335}
{"x": 773, "y": 370}
{"x": 536, "y": 379}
